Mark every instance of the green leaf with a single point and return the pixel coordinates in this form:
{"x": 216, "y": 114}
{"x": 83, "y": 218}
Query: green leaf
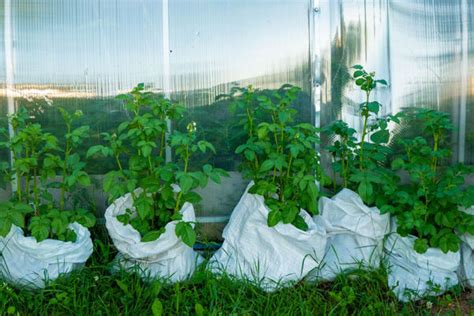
{"x": 186, "y": 232}
{"x": 313, "y": 191}
{"x": 185, "y": 183}
{"x": 449, "y": 242}
{"x": 17, "y": 218}
{"x": 274, "y": 217}
{"x": 85, "y": 218}
{"x": 200, "y": 311}
{"x": 5, "y": 226}
{"x": 151, "y": 236}
{"x": 40, "y": 228}
{"x": 267, "y": 165}
{"x": 358, "y": 73}
{"x": 250, "y": 155}
{"x": 359, "y": 81}
{"x": 365, "y": 190}
{"x": 83, "y": 179}
{"x": 94, "y": 150}
{"x": 157, "y": 308}
{"x": 143, "y": 204}
{"x": 398, "y": 164}
{"x": 421, "y": 245}
{"x": 300, "y": 223}
{"x": 374, "y": 107}
{"x": 380, "y": 137}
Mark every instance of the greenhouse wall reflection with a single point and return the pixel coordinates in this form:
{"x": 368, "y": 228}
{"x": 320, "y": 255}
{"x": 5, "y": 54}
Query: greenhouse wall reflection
{"x": 79, "y": 54}
{"x": 423, "y": 48}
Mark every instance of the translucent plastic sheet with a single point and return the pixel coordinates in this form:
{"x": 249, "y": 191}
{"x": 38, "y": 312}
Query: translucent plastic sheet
{"x": 424, "y": 48}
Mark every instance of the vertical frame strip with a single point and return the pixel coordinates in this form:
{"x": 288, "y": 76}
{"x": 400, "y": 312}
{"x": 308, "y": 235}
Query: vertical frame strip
{"x": 166, "y": 63}
{"x": 9, "y": 74}
{"x": 464, "y": 79}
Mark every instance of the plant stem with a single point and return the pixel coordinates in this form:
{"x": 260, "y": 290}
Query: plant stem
{"x": 180, "y": 194}
{"x": 35, "y": 190}
{"x": 163, "y": 145}
{"x": 66, "y": 158}
{"x": 18, "y": 186}
{"x": 364, "y": 130}
{"x": 27, "y": 179}
{"x": 289, "y": 167}
{"x": 434, "y": 163}
{"x": 344, "y": 169}
{"x": 119, "y": 164}
{"x": 250, "y": 118}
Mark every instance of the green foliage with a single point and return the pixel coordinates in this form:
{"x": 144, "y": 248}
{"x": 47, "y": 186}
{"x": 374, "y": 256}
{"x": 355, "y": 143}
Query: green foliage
{"x": 279, "y": 155}
{"x": 139, "y": 149}
{"x": 361, "y": 165}
{"x": 428, "y": 206}
{"x": 37, "y": 159}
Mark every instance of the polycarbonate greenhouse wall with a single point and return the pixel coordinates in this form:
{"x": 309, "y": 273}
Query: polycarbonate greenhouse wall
{"x": 79, "y": 54}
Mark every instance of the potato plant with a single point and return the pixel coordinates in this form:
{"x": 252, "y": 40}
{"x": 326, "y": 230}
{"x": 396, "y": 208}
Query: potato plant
{"x": 361, "y": 164}
{"x": 279, "y": 155}
{"x": 38, "y": 160}
{"x": 428, "y": 205}
{"x": 159, "y": 188}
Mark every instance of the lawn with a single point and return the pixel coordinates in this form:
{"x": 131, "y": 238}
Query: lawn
{"x": 94, "y": 290}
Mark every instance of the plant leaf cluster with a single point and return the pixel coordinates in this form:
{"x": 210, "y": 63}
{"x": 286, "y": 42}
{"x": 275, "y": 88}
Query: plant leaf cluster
{"x": 139, "y": 148}
{"x": 279, "y": 154}
{"x": 428, "y": 204}
{"x": 360, "y": 164}
{"x": 39, "y": 165}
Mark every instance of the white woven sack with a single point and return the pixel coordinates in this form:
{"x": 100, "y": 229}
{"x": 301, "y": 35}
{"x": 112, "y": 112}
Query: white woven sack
{"x": 413, "y": 275}
{"x": 168, "y": 257}
{"x": 355, "y": 235}
{"x": 467, "y": 257}
{"x": 272, "y": 257}
{"x": 26, "y": 262}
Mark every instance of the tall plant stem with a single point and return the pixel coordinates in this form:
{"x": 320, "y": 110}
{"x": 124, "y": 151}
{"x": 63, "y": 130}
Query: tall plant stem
{"x": 35, "y": 190}
{"x": 27, "y": 180}
{"x": 18, "y": 186}
{"x": 250, "y": 118}
{"x": 289, "y": 167}
{"x": 364, "y": 129}
{"x": 66, "y": 158}
{"x": 434, "y": 163}
{"x": 162, "y": 143}
{"x": 180, "y": 194}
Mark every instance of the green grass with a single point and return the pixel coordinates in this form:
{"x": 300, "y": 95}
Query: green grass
{"x": 95, "y": 291}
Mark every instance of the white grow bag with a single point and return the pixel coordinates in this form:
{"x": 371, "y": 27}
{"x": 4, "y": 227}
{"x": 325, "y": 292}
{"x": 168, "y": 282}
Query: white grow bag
{"x": 413, "y": 275}
{"x": 168, "y": 257}
{"x": 26, "y": 262}
{"x": 467, "y": 257}
{"x": 269, "y": 256}
{"x": 355, "y": 235}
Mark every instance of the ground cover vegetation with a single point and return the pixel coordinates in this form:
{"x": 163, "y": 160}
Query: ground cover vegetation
{"x": 95, "y": 291}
